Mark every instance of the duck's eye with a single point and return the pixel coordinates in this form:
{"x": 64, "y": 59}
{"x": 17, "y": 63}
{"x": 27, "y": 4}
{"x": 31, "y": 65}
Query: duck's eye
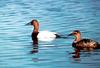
{"x": 75, "y": 33}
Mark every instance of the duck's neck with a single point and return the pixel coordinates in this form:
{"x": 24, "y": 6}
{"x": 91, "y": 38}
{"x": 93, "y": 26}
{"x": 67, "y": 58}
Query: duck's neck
{"x": 35, "y": 30}
{"x": 36, "y": 27}
{"x": 77, "y": 38}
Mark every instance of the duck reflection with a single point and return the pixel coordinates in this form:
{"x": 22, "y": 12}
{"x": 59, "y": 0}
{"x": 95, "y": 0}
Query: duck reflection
{"x": 35, "y": 49}
{"x": 76, "y": 54}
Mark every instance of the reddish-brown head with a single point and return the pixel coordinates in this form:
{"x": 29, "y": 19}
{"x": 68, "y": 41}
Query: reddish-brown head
{"x": 35, "y": 24}
{"x": 33, "y": 21}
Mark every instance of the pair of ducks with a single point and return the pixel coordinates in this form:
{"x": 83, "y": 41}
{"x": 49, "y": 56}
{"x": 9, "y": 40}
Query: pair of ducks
{"x": 77, "y": 43}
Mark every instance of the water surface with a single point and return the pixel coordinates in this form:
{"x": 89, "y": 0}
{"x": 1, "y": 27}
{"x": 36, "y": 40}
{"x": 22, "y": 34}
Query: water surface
{"x": 59, "y": 16}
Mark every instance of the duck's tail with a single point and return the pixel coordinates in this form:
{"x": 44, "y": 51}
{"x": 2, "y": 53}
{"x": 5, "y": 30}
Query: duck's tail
{"x": 58, "y": 36}
{"x": 98, "y": 46}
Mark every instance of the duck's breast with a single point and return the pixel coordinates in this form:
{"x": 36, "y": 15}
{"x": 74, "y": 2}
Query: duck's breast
{"x": 46, "y": 36}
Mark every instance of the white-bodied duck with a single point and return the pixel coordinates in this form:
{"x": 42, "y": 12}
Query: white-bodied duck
{"x": 42, "y": 35}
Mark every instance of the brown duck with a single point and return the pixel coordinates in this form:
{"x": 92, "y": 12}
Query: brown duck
{"x": 80, "y": 43}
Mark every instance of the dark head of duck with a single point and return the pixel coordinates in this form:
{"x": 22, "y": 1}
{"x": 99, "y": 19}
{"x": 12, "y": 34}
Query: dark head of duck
{"x": 83, "y": 43}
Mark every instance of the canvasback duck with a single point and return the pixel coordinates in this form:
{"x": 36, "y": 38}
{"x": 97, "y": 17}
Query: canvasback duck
{"x": 42, "y": 35}
{"x": 83, "y": 43}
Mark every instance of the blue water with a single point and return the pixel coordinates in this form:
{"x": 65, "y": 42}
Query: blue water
{"x": 61, "y": 16}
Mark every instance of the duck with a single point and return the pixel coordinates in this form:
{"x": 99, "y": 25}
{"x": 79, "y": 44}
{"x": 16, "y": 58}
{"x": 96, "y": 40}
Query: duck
{"x": 83, "y": 43}
{"x": 42, "y": 35}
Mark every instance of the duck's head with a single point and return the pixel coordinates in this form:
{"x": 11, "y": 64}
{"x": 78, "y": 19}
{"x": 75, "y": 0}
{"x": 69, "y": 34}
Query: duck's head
{"x": 75, "y": 33}
{"x": 35, "y": 24}
{"x": 32, "y": 22}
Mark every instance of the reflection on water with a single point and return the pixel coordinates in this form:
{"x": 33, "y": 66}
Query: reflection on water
{"x": 35, "y": 49}
{"x": 62, "y": 17}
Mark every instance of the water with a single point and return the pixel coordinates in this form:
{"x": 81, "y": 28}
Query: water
{"x": 61, "y": 16}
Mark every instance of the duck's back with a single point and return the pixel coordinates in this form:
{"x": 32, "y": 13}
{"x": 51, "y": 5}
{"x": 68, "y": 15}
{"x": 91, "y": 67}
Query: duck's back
{"x": 86, "y": 43}
{"x": 46, "y": 35}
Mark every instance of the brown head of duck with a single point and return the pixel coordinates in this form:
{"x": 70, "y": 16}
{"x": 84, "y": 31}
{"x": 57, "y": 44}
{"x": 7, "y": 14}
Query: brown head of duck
{"x": 35, "y": 24}
{"x": 77, "y": 35}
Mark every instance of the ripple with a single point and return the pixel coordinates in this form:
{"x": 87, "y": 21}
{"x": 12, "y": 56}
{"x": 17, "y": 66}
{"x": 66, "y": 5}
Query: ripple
{"x": 57, "y": 16}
